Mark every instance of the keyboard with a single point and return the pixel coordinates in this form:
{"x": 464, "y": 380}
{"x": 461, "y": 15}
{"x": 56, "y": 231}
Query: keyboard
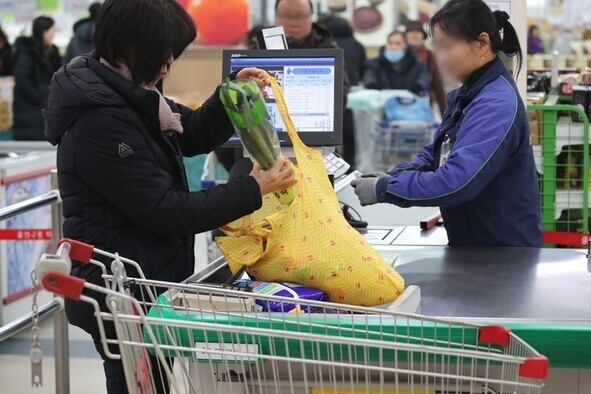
{"x": 336, "y": 165}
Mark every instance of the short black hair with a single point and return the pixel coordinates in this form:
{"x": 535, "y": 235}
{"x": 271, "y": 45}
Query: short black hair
{"x": 309, "y": 2}
{"x": 40, "y": 25}
{"x": 143, "y": 34}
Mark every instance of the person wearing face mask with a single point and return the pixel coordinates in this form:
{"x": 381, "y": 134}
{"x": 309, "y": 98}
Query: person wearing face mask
{"x": 416, "y": 36}
{"x": 479, "y": 169}
{"x": 397, "y": 67}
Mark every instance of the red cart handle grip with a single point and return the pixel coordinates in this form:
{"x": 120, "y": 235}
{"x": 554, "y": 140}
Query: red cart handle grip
{"x": 534, "y": 367}
{"x": 79, "y": 251}
{"x": 63, "y": 284}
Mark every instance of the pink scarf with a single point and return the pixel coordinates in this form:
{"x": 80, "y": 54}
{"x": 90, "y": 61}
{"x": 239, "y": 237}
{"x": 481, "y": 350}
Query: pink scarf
{"x": 170, "y": 121}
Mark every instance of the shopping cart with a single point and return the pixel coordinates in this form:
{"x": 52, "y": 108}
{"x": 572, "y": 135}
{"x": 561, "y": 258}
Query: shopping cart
{"x": 400, "y": 141}
{"x": 221, "y": 342}
{"x": 382, "y": 144}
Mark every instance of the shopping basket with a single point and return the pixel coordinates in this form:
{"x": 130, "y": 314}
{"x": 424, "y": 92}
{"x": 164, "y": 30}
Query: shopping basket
{"x": 221, "y": 343}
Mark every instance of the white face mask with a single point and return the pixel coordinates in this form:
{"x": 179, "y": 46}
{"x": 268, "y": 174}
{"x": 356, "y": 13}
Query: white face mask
{"x": 394, "y": 55}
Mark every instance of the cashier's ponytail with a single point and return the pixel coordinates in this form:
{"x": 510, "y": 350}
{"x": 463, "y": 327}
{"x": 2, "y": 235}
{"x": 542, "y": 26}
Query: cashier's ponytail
{"x": 468, "y": 19}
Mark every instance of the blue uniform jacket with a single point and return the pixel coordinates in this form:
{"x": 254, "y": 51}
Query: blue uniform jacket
{"x": 488, "y": 188}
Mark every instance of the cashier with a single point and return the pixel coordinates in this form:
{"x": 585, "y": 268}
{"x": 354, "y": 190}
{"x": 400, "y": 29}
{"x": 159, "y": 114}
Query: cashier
{"x": 120, "y": 156}
{"x": 480, "y": 167}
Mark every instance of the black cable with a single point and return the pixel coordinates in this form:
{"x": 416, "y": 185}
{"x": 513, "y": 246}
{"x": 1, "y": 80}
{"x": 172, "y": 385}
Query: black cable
{"x": 358, "y": 222}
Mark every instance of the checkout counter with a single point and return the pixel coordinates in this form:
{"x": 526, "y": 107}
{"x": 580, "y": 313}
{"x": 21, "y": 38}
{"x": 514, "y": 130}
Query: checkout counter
{"x": 543, "y": 295}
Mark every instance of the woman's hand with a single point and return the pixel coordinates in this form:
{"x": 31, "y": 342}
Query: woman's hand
{"x": 280, "y": 176}
{"x": 254, "y": 74}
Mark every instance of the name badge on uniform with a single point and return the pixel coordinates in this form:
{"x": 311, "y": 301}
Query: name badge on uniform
{"x": 445, "y": 151}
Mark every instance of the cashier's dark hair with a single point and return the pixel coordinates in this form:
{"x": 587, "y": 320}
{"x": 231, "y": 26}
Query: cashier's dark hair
{"x": 468, "y": 19}
{"x": 143, "y": 34}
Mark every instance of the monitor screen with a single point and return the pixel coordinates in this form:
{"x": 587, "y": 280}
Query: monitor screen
{"x": 312, "y": 86}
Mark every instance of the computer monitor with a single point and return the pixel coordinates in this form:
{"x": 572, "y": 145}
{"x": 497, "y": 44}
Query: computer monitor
{"x": 312, "y": 82}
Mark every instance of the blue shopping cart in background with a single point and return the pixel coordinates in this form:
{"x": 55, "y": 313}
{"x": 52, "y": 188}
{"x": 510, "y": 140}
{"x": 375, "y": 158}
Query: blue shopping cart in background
{"x": 391, "y": 126}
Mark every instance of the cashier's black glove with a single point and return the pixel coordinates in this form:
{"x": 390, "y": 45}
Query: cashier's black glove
{"x": 365, "y": 189}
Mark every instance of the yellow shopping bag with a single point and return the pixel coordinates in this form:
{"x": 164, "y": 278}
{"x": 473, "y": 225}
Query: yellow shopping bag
{"x": 309, "y": 242}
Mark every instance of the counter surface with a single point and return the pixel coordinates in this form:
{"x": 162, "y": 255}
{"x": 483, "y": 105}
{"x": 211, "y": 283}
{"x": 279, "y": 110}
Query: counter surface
{"x": 544, "y": 284}
{"x": 490, "y": 283}
{"x": 543, "y": 295}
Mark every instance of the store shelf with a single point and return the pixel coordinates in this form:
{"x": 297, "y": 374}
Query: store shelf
{"x": 538, "y": 158}
{"x": 569, "y": 199}
{"x": 561, "y": 162}
{"x": 568, "y": 133}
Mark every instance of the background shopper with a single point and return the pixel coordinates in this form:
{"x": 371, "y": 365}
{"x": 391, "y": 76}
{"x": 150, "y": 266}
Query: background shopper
{"x": 354, "y": 51}
{"x": 6, "y": 66}
{"x": 83, "y": 40}
{"x": 397, "y": 67}
{"x": 35, "y": 61}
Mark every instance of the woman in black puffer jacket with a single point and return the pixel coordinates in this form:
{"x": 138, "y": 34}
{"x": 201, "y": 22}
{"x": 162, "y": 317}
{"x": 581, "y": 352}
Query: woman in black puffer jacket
{"x": 121, "y": 148}
{"x": 35, "y": 61}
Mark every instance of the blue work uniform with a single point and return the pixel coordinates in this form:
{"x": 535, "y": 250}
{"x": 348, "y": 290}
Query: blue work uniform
{"x": 479, "y": 169}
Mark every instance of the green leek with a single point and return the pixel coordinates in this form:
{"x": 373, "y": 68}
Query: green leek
{"x": 248, "y": 113}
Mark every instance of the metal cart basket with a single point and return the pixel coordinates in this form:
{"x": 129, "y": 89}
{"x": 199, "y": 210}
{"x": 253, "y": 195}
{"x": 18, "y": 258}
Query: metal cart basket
{"x": 399, "y": 141}
{"x": 381, "y": 144}
{"x": 222, "y": 343}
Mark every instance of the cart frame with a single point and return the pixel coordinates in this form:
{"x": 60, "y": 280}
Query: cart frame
{"x": 233, "y": 347}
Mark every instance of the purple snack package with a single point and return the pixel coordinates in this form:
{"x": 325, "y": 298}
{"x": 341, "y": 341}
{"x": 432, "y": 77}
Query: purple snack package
{"x": 288, "y": 290}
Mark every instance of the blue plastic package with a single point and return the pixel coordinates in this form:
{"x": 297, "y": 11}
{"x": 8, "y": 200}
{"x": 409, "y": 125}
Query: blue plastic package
{"x": 288, "y": 290}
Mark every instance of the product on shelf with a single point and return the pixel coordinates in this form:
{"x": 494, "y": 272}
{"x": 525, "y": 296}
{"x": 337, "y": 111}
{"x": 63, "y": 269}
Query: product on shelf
{"x": 581, "y": 99}
{"x": 535, "y": 127}
{"x": 567, "y": 81}
{"x": 569, "y": 171}
{"x": 535, "y": 120}
{"x": 539, "y": 81}
{"x": 6, "y": 89}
